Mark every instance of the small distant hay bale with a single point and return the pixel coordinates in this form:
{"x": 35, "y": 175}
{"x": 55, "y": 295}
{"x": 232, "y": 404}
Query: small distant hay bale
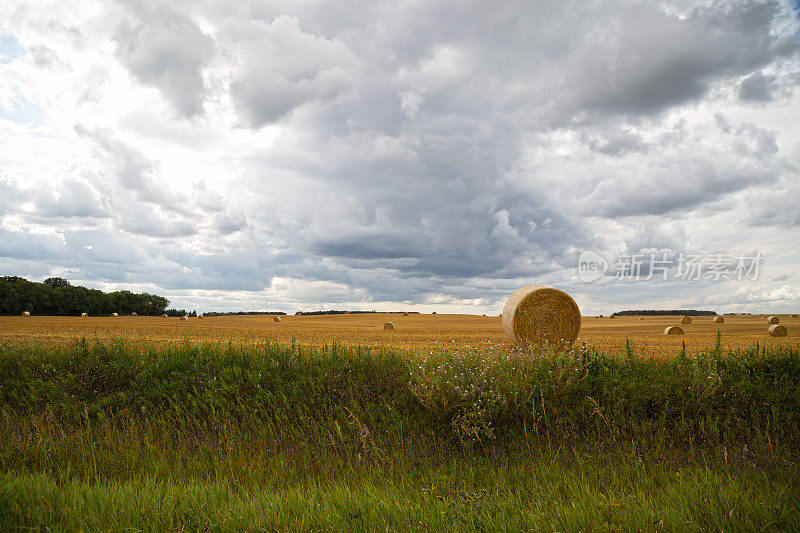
{"x": 611, "y": 316}
{"x": 134, "y": 314}
{"x": 200, "y": 316}
{"x": 777, "y": 330}
{"x": 773, "y": 320}
{"x": 388, "y": 326}
{"x": 433, "y": 313}
{"x": 26, "y": 313}
{"x": 673, "y": 330}
{"x": 685, "y": 319}
{"x": 719, "y": 320}
{"x": 405, "y": 314}
{"x": 641, "y": 318}
{"x": 276, "y": 319}
{"x": 793, "y": 316}
{"x": 84, "y": 314}
{"x": 538, "y": 314}
{"x": 164, "y": 316}
{"x": 599, "y": 316}
{"x": 115, "y": 314}
{"x": 184, "y": 317}
{"x": 484, "y": 314}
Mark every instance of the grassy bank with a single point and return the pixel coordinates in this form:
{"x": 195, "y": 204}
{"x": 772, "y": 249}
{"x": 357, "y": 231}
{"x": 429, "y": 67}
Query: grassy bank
{"x": 105, "y": 435}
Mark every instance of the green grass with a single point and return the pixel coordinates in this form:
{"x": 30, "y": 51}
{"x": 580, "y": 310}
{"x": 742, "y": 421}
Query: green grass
{"x": 109, "y": 436}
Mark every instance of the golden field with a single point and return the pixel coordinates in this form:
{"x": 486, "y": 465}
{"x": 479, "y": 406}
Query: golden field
{"x": 416, "y": 332}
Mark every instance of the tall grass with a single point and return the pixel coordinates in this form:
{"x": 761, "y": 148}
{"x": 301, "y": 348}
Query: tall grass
{"x": 335, "y": 437}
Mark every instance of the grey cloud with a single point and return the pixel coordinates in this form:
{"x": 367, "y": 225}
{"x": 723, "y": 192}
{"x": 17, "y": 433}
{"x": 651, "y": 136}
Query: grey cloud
{"x": 26, "y": 245}
{"x": 150, "y": 220}
{"x": 757, "y": 88}
{"x": 164, "y": 48}
{"x": 741, "y": 157}
{"x": 284, "y": 67}
{"x": 72, "y": 198}
{"x": 616, "y": 143}
{"x": 43, "y": 56}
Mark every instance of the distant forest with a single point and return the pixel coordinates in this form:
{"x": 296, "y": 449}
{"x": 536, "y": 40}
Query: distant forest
{"x": 55, "y": 296}
{"x": 688, "y": 312}
{"x": 248, "y": 313}
{"x": 334, "y": 312}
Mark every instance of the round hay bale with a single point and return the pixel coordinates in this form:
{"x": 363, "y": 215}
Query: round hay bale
{"x": 537, "y": 314}
{"x": 184, "y": 317}
{"x": 134, "y": 314}
{"x": 26, "y": 313}
{"x": 433, "y": 313}
{"x": 777, "y": 330}
{"x": 276, "y": 319}
{"x": 163, "y": 316}
{"x": 611, "y": 316}
{"x": 641, "y": 318}
{"x": 114, "y": 314}
{"x": 84, "y": 314}
{"x": 200, "y": 316}
{"x": 718, "y": 320}
{"x": 599, "y": 316}
{"x": 673, "y": 330}
{"x": 686, "y": 319}
{"x": 405, "y": 314}
{"x": 773, "y": 320}
{"x": 793, "y": 316}
{"x": 388, "y": 326}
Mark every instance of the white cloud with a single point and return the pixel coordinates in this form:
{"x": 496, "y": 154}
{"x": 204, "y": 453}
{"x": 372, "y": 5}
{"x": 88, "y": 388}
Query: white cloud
{"x": 419, "y": 154}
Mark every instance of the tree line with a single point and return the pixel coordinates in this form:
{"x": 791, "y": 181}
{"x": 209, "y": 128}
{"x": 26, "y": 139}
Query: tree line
{"x": 687, "y": 312}
{"x": 55, "y": 296}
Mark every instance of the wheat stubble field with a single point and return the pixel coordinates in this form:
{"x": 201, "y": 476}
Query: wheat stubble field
{"x": 412, "y": 332}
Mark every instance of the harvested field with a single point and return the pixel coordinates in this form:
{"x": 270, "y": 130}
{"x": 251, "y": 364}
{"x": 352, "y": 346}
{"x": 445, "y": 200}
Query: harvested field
{"x": 414, "y": 332}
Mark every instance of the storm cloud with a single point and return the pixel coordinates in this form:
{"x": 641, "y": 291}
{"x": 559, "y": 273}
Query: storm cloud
{"x": 375, "y": 155}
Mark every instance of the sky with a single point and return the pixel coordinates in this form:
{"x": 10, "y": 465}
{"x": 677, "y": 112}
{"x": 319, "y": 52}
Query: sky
{"x": 405, "y": 155}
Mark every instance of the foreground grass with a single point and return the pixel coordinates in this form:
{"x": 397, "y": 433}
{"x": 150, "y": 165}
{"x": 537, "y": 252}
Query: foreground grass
{"x": 109, "y": 436}
{"x": 509, "y": 494}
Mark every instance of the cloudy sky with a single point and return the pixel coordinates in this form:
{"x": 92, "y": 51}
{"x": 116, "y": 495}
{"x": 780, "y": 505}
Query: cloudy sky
{"x": 404, "y": 155}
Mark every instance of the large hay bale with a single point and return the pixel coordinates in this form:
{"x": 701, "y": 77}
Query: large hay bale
{"x": 538, "y": 314}
{"x": 773, "y": 320}
{"x": 276, "y": 319}
{"x": 84, "y": 314}
{"x": 26, "y": 313}
{"x": 686, "y": 319}
{"x": 718, "y": 320}
{"x": 777, "y": 330}
{"x": 388, "y": 326}
{"x": 673, "y": 330}
{"x": 114, "y": 314}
